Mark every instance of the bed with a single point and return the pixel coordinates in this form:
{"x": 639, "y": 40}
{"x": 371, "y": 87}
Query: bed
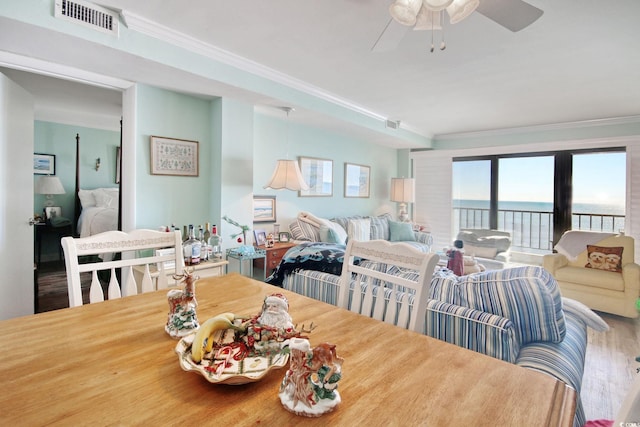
{"x": 96, "y": 210}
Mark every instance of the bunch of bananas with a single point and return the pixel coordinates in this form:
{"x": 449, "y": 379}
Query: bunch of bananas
{"x": 206, "y": 332}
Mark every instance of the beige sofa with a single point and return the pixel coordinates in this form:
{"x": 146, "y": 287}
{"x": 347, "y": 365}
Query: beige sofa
{"x": 612, "y": 288}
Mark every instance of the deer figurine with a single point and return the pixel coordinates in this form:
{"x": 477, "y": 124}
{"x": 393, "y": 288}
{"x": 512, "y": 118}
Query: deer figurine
{"x": 182, "y": 319}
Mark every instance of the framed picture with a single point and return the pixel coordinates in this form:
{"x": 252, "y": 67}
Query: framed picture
{"x": 284, "y": 236}
{"x": 264, "y": 208}
{"x": 177, "y": 157}
{"x": 318, "y": 173}
{"x": 52, "y": 212}
{"x": 118, "y": 161}
{"x": 44, "y": 164}
{"x": 356, "y": 180}
{"x": 260, "y": 236}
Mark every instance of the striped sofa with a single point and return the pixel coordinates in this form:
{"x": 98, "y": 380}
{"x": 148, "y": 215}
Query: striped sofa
{"x": 517, "y": 315}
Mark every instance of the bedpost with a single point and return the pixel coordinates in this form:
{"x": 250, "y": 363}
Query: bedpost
{"x": 77, "y": 206}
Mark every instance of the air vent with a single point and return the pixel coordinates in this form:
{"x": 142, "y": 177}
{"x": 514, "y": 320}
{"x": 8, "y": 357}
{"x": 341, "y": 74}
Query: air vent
{"x": 393, "y": 124}
{"x": 88, "y": 14}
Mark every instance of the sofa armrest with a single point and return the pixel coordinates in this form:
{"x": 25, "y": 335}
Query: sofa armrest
{"x": 631, "y": 277}
{"x": 472, "y": 329}
{"x": 424, "y": 237}
{"x": 552, "y": 262}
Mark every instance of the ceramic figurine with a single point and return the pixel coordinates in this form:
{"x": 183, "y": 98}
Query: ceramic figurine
{"x": 271, "y": 242}
{"x": 182, "y": 319}
{"x": 309, "y": 388}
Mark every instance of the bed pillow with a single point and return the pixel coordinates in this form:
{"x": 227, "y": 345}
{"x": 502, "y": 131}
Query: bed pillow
{"x": 401, "y": 232}
{"x": 359, "y": 229}
{"x": 605, "y": 258}
{"x": 87, "y": 200}
{"x": 105, "y": 198}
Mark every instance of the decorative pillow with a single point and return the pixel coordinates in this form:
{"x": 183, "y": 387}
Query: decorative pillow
{"x": 330, "y": 235}
{"x": 359, "y": 229}
{"x": 103, "y": 200}
{"x": 301, "y": 230}
{"x": 604, "y": 258}
{"x": 528, "y": 296}
{"x": 401, "y": 232}
{"x": 380, "y": 227}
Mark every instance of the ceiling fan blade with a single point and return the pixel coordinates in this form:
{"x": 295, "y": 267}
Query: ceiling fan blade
{"x": 514, "y": 15}
{"x": 390, "y": 37}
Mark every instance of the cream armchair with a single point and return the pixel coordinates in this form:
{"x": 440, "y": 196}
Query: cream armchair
{"x": 600, "y": 289}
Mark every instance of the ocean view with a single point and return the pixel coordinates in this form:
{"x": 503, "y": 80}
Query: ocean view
{"x": 531, "y": 223}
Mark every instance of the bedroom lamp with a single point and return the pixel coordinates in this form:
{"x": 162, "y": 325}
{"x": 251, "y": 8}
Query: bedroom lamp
{"x": 287, "y": 174}
{"x": 403, "y": 192}
{"x": 49, "y": 185}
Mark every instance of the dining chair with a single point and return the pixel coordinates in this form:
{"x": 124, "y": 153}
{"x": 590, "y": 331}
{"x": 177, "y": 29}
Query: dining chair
{"x": 387, "y": 281}
{"x": 136, "y": 248}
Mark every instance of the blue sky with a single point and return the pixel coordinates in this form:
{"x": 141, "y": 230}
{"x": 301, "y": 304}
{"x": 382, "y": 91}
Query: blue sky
{"x": 597, "y": 178}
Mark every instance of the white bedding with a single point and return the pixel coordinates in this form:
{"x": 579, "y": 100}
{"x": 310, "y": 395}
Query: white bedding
{"x": 94, "y": 220}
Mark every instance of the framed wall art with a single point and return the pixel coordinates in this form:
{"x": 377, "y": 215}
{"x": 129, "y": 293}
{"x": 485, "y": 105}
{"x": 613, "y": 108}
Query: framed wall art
{"x": 356, "y": 180}
{"x": 44, "y": 164}
{"x": 177, "y": 157}
{"x": 318, "y": 174}
{"x": 264, "y": 208}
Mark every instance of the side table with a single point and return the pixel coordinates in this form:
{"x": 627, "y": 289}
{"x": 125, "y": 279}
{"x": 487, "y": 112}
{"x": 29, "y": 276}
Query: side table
{"x": 43, "y": 228}
{"x": 274, "y": 256}
{"x": 242, "y": 258}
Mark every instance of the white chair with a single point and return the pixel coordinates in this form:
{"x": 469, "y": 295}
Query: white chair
{"x": 376, "y": 273}
{"x": 129, "y": 245}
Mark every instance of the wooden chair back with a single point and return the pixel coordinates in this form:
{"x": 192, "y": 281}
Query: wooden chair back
{"x": 387, "y": 281}
{"x": 136, "y": 248}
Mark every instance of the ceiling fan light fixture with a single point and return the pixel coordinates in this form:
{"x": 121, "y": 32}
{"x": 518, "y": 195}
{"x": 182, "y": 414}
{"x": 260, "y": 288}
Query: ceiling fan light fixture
{"x": 428, "y": 20}
{"x": 436, "y": 5}
{"x": 460, "y": 9}
{"x": 405, "y": 11}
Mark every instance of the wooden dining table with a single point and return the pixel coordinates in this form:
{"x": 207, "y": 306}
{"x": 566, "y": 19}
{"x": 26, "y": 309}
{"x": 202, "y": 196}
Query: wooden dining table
{"x": 111, "y": 363}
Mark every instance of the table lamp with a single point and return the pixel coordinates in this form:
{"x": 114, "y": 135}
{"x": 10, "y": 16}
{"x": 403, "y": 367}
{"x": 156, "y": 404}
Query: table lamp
{"x": 49, "y": 185}
{"x": 403, "y": 192}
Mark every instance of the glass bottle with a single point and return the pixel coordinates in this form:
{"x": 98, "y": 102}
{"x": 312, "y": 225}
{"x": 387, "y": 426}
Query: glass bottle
{"x": 203, "y": 245}
{"x": 207, "y": 233}
{"x": 191, "y": 249}
{"x": 214, "y": 242}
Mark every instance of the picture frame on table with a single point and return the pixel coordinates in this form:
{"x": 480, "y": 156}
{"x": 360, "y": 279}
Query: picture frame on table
{"x": 44, "y": 164}
{"x": 260, "y": 237}
{"x": 284, "y": 237}
{"x": 264, "y": 208}
{"x": 356, "y": 180}
{"x": 175, "y": 157}
{"x": 318, "y": 174}
{"x": 52, "y": 212}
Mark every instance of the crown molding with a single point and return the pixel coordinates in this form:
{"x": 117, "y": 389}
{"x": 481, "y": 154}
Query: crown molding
{"x": 152, "y": 29}
{"x": 541, "y": 128}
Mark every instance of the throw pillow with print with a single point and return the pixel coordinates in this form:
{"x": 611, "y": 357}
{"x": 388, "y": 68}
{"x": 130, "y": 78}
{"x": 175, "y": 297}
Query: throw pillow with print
{"x": 604, "y": 258}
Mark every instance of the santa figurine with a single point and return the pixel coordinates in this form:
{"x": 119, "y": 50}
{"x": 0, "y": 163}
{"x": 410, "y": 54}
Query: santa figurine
{"x": 455, "y": 262}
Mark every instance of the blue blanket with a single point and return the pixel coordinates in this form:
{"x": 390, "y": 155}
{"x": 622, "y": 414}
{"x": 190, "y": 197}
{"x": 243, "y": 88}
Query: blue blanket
{"x": 318, "y": 256}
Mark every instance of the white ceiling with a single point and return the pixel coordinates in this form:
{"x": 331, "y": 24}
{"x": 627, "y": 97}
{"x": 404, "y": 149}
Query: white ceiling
{"x": 580, "y": 61}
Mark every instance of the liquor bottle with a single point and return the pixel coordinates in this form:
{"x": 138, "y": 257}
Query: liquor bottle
{"x": 191, "y": 248}
{"x": 185, "y": 234}
{"x": 203, "y": 245}
{"x": 207, "y": 234}
{"x": 214, "y": 242}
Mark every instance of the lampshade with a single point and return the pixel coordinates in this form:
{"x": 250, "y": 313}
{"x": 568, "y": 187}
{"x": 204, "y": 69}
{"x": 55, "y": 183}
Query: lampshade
{"x": 49, "y": 185}
{"x": 403, "y": 190}
{"x": 460, "y": 9}
{"x": 428, "y": 20}
{"x": 405, "y": 11}
{"x": 287, "y": 175}
{"x": 436, "y": 5}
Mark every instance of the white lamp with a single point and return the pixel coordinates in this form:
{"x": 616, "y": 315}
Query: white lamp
{"x": 287, "y": 174}
{"x": 49, "y": 185}
{"x": 403, "y": 192}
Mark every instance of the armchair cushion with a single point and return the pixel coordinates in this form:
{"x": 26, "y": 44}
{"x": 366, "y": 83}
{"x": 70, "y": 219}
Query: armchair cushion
{"x": 528, "y": 296}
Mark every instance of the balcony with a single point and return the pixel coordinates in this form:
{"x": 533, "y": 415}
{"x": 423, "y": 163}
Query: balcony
{"x": 532, "y": 231}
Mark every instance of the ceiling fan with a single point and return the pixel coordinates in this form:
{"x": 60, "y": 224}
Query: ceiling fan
{"x": 514, "y": 15}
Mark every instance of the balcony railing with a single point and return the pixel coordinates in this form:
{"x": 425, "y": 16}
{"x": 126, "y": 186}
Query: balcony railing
{"x": 532, "y": 231}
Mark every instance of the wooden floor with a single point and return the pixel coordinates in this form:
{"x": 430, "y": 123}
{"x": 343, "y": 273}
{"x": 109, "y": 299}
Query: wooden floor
{"x": 610, "y": 362}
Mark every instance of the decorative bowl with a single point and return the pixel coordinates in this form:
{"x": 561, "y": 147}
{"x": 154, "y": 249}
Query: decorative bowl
{"x": 239, "y": 370}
